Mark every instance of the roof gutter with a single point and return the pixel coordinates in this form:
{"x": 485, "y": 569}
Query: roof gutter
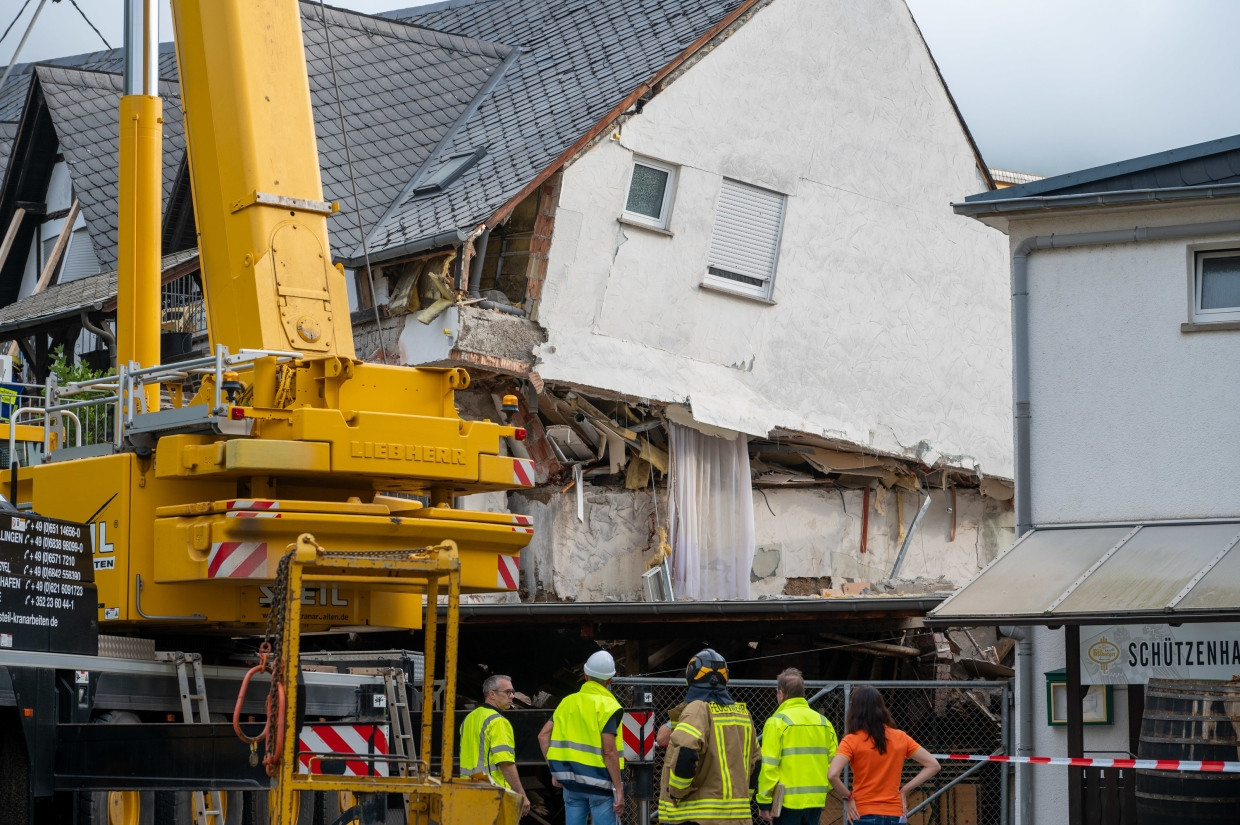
{"x": 502, "y": 214}
{"x": 1022, "y": 411}
{"x": 1124, "y": 197}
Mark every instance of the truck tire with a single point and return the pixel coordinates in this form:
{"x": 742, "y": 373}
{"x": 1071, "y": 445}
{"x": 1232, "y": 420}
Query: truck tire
{"x": 121, "y": 807}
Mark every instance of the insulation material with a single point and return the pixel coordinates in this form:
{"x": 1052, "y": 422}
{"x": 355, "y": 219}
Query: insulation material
{"x": 711, "y": 516}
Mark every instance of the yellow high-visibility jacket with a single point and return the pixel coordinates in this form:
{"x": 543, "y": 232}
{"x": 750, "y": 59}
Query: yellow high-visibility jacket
{"x": 797, "y": 745}
{"x": 486, "y": 743}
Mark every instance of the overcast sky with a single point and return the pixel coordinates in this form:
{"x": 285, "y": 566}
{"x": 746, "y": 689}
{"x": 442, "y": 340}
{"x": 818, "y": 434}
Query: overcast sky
{"x": 1046, "y": 86}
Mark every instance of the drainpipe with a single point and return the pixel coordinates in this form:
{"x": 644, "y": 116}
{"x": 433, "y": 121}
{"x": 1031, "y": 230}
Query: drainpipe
{"x": 102, "y": 333}
{"x": 1024, "y": 718}
{"x": 475, "y": 277}
{"x": 1022, "y": 410}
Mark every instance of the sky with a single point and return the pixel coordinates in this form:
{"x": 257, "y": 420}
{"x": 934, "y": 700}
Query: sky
{"x": 1045, "y": 86}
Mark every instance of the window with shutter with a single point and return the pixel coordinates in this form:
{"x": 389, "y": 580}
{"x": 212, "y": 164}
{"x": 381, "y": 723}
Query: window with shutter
{"x": 744, "y": 247}
{"x": 80, "y": 260}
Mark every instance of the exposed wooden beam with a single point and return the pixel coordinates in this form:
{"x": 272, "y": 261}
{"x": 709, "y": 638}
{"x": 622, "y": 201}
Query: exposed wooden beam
{"x": 11, "y": 235}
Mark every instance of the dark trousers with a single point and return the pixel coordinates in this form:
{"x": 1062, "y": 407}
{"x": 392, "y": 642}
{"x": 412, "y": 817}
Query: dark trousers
{"x": 798, "y": 816}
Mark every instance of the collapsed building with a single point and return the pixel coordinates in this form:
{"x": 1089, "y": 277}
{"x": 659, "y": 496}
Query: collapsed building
{"x": 762, "y": 369}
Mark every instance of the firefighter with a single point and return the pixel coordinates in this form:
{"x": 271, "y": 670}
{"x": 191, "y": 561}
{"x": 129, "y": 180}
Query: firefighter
{"x": 711, "y": 759}
{"x": 583, "y": 755}
{"x": 488, "y": 749}
{"x": 797, "y": 746}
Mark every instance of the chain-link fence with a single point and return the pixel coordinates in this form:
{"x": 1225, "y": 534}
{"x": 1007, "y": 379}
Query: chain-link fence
{"x": 942, "y": 717}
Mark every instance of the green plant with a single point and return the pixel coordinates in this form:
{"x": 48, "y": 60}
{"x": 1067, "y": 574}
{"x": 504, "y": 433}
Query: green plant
{"x": 95, "y": 419}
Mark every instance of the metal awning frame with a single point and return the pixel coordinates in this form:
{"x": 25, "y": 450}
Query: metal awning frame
{"x": 1168, "y": 614}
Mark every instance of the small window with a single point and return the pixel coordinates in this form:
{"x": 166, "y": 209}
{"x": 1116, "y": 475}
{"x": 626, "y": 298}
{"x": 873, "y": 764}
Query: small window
{"x": 649, "y": 200}
{"x": 744, "y": 247}
{"x": 1216, "y": 287}
{"x": 447, "y": 173}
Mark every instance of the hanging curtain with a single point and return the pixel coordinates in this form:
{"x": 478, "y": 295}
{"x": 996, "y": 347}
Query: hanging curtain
{"x": 711, "y": 515}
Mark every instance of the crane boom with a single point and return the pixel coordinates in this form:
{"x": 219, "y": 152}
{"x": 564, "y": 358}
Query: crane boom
{"x": 254, "y": 167}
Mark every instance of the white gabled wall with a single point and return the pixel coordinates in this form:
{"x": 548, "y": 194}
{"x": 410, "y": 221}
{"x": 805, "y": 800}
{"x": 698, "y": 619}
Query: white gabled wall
{"x": 1131, "y": 417}
{"x": 889, "y": 327}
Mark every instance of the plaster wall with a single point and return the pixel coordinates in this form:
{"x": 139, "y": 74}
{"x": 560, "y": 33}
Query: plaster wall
{"x": 1048, "y": 784}
{"x": 1130, "y": 416}
{"x": 801, "y": 533}
{"x": 889, "y": 321}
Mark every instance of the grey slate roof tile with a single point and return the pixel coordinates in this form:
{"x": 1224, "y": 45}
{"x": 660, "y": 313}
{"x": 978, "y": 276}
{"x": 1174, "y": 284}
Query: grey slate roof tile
{"x": 8, "y": 131}
{"x": 578, "y": 61}
{"x": 83, "y": 106}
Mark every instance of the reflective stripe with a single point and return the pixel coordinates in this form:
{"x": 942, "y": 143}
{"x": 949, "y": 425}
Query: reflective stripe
{"x": 582, "y": 779}
{"x": 576, "y": 746}
{"x": 689, "y": 729}
{"x": 807, "y": 789}
{"x": 770, "y": 760}
{"x": 678, "y": 782}
{"x": 503, "y": 749}
{"x": 807, "y": 751}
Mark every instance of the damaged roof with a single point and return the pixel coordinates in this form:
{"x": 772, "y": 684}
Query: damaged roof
{"x": 579, "y": 60}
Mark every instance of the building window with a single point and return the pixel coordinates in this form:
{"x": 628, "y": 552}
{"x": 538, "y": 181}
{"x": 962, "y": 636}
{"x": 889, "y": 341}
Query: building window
{"x": 744, "y": 246}
{"x": 1216, "y": 286}
{"x": 649, "y": 200}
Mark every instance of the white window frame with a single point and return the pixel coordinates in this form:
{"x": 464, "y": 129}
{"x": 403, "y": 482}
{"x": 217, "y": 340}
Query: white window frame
{"x": 1197, "y": 255}
{"x": 665, "y": 212}
{"x": 717, "y": 282}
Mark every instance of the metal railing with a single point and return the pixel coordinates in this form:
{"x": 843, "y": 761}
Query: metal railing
{"x": 103, "y": 410}
{"x": 941, "y": 716}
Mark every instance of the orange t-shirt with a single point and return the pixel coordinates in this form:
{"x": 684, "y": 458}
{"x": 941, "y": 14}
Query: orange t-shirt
{"x": 876, "y": 776}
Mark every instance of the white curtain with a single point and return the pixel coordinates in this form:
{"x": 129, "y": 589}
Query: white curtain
{"x": 711, "y": 516}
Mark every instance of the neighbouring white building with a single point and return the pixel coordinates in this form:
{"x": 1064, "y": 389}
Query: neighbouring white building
{"x": 1126, "y": 282}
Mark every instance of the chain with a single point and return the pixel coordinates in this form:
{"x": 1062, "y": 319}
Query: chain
{"x": 274, "y": 634}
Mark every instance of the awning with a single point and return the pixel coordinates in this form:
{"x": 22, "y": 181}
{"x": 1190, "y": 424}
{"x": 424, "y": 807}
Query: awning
{"x": 1112, "y": 573}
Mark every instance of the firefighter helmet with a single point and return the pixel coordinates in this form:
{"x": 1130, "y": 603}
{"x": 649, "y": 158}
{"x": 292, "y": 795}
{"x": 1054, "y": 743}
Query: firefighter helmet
{"x": 707, "y": 668}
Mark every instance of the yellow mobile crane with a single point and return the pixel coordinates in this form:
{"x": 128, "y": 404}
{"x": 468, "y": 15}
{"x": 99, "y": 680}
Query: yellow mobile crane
{"x": 267, "y": 485}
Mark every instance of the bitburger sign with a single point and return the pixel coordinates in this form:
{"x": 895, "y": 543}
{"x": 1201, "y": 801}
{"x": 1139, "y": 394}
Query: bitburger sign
{"x": 1134, "y": 654}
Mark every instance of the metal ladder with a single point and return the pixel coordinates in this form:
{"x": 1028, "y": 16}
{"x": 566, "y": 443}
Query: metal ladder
{"x": 208, "y": 805}
{"x": 400, "y": 740}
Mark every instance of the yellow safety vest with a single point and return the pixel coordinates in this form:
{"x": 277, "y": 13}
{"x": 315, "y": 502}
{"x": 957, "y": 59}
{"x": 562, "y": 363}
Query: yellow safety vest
{"x": 576, "y": 752}
{"x": 486, "y": 743}
{"x": 797, "y": 746}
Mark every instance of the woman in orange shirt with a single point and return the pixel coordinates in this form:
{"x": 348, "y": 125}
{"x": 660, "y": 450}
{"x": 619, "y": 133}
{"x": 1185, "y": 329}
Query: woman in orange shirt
{"x": 876, "y": 750}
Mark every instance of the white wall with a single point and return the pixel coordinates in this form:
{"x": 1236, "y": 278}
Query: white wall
{"x": 889, "y": 327}
{"x": 1132, "y": 418}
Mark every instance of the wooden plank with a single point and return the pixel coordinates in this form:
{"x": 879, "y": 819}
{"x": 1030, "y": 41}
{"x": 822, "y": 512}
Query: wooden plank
{"x": 11, "y": 235}
{"x": 53, "y": 260}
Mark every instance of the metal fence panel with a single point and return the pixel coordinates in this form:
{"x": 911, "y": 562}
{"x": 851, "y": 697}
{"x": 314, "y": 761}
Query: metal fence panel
{"x": 943, "y": 717}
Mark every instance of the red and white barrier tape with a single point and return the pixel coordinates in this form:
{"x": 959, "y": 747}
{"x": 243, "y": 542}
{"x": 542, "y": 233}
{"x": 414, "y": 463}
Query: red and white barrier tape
{"x": 1085, "y": 762}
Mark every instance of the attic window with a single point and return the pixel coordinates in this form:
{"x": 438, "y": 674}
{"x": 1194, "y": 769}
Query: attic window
{"x": 1216, "y": 286}
{"x": 744, "y": 246}
{"x": 447, "y": 173}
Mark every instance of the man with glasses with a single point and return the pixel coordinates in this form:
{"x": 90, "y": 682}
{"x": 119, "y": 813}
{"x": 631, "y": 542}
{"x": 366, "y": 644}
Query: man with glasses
{"x": 488, "y": 749}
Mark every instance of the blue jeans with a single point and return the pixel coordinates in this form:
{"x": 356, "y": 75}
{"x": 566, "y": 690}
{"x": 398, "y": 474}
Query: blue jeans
{"x": 876, "y": 819}
{"x": 578, "y": 805}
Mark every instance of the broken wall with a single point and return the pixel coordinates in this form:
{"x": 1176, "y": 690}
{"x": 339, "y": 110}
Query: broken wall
{"x": 802, "y": 534}
{"x": 888, "y": 326}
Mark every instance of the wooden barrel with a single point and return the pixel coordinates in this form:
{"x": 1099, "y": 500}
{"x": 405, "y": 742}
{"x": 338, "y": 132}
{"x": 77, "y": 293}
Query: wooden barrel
{"x": 1195, "y": 720}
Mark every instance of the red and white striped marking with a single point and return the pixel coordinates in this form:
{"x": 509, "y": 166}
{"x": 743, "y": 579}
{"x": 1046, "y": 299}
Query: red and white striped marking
{"x": 237, "y": 560}
{"x": 1087, "y": 762}
{"x": 252, "y": 514}
{"x": 506, "y": 578}
{"x": 343, "y": 739}
{"x": 522, "y": 521}
{"x": 253, "y": 504}
{"x": 638, "y": 730}
{"x": 523, "y": 472}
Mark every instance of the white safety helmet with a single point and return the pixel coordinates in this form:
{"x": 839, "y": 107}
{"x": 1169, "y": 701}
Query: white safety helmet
{"x": 600, "y": 666}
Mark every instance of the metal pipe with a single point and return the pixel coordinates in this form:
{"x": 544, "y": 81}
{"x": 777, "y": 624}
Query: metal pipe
{"x": 101, "y": 332}
{"x": 908, "y": 537}
{"x": 1022, "y": 410}
{"x": 480, "y": 254}
{"x": 1024, "y": 718}
{"x": 141, "y": 76}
